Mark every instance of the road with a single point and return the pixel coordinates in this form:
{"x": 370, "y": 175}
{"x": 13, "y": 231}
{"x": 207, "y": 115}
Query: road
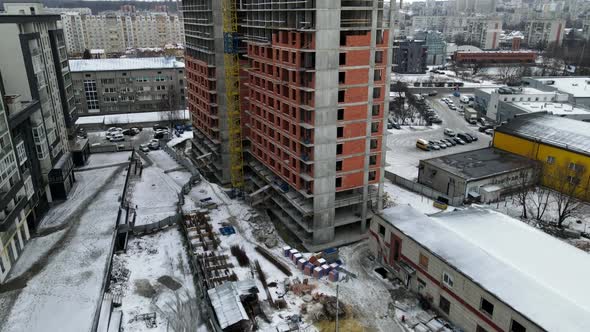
{"x": 403, "y": 157}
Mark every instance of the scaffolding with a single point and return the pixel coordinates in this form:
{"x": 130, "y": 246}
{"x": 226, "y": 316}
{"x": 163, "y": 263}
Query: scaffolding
{"x": 232, "y": 83}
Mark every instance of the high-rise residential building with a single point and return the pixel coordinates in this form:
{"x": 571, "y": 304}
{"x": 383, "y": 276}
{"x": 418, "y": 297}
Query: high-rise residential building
{"x": 310, "y": 99}
{"x": 409, "y": 56}
{"x": 129, "y": 85}
{"x": 544, "y": 32}
{"x": 37, "y": 165}
{"x": 435, "y": 45}
{"x": 115, "y": 32}
{"x": 481, "y": 31}
{"x": 476, "y": 6}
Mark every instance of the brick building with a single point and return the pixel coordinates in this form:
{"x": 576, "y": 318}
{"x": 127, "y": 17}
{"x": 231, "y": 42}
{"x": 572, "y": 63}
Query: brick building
{"x": 313, "y": 106}
{"x": 495, "y": 57}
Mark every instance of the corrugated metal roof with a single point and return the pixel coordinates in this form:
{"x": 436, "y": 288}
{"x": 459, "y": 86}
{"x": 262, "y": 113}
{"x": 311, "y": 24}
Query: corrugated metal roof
{"x": 226, "y": 301}
{"x": 124, "y": 64}
{"x": 566, "y": 133}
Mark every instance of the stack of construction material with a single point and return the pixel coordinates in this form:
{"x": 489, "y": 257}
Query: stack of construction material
{"x": 301, "y": 264}
{"x": 296, "y": 257}
{"x": 308, "y": 269}
{"x": 333, "y": 276}
{"x": 287, "y": 251}
{"x": 318, "y": 272}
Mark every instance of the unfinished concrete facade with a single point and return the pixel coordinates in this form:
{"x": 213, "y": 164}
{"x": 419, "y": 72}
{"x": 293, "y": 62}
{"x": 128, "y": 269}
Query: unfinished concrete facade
{"x": 314, "y": 81}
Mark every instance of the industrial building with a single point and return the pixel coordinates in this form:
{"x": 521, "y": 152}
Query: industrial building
{"x": 288, "y": 102}
{"x": 562, "y": 145}
{"x": 576, "y": 87}
{"x": 479, "y": 175}
{"x": 485, "y": 271}
{"x": 488, "y": 101}
{"x": 409, "y": 56}
{"x": 494, "y": 57}
{"x": 508, "y": 110}
{"x": 35, "y": 115}
{"x": 128, "y": 85}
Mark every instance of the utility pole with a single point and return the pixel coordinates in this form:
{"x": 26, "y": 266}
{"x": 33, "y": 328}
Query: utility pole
{"x": 337, "y": 286}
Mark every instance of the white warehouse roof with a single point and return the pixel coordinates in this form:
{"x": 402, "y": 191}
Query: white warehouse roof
{"x": 543, "y": 278}
{"x": 124, "y": 64}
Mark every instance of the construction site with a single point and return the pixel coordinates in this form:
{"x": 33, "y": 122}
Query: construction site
{"x": 288, "y": 106}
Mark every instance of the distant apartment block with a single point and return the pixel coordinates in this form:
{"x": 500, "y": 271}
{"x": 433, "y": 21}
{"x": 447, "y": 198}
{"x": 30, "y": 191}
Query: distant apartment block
{"x": 435, "y": 45}
{"x": 116, "y": 31}
{"x": 483, "y": 32}
{"x": 111, "y": 86}
{"x": 544, "y": 32}
{"x": 314, "y": 87}
{"x": 409, "y": 56}
{"x": 476, "y": 6}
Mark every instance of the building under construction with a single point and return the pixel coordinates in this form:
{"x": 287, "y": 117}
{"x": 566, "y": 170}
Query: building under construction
{"x": 288, "y": 100}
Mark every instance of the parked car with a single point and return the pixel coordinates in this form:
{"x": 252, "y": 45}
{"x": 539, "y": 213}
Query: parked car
{"x": 433, "y": 93}
{"x": 435, "y": 119}
{"x": 441, "y": 144}
{"x": 130, "y": 132}
{"x": 459, "y": 141}
{"x": 116, "y": 137}
{"x": 158, "y": 127}
{"x": 449, "y": 141}
{"x": 449, "y": 132}
{"x": 433, "y": 146}
{"x": 395, "y": 124}
{"x": 483, "y": 129}
{"x": 144, "y": 147}
{"x": 444, "y": 141}
{"x": 114, "y": 129}
{"x": 473, "y": 136}
{"x": 81, "y": 132}
{"x": 389, "y": 125}
{"x": 465, "y": 138}
{"x": 482, "y": 121}
{"x": 453, "y": 108}
{"x": 489, "y": 132}
{"x": 154, "y": 144}
{"x": 160, "y": 134}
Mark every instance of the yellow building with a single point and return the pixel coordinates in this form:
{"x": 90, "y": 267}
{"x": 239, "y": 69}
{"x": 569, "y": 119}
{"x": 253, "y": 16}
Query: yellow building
{"x": 562, "y": 146}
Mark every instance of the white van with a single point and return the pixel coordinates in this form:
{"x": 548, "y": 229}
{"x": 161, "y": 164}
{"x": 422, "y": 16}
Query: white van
{"x": 464, "y": 99}
{"x": 117, "y": 137}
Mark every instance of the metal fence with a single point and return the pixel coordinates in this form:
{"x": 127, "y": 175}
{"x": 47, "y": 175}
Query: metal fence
{"x": 156, "y": 226}
{"x": 422, "y": 189}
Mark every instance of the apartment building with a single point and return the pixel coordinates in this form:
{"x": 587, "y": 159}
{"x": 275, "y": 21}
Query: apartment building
{"x": 476, "y": 6}
{"x": 485, "y": 271}
{"x": 544, "y": 32}
{"x": 409, "y": 56}
{"x": 128, "y": 85}
{"x": 313, "y": 81}
{"x": 116, "y": 31}
{"x": 481, "y": 31}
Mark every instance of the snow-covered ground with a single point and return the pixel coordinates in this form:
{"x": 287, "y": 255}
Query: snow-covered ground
{"x": 153, "y": 260}
{"x": 401, "y": 196}
{"x": 61, "y": 288}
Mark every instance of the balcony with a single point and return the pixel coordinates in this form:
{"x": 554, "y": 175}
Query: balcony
{"x": 11, "y": 211}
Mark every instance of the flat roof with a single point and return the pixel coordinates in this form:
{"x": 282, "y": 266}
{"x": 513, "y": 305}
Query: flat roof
{"x": 577, "y": 86}
{"x": 523, "y": 91}
{"x": 541, "y": 277}
{"x": 124, "y": 64}
{"x": 479, "y": 164}
{"x": 569, "y": 134}
{"x": 553, "y": 108}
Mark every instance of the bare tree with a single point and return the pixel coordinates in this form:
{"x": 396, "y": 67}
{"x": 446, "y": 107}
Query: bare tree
{"x": 182, "y": 313}
{"x": 510, "y": 74}
{"x": 523, "y": 191}
{"x": 540, "y": 201}
{"x": 566, "y": 179}
{"x": 169, "y": 105}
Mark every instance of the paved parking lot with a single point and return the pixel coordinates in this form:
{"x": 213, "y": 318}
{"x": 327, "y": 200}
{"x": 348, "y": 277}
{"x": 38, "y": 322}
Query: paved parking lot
{"x": 403, "y": 157}
{"x": 99, "y": 137}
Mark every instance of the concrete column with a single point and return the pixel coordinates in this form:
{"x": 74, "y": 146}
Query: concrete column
{"x": 326, "y": 111}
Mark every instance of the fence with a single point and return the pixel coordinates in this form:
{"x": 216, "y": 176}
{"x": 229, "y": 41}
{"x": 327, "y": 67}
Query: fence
{"x": 156, "y": 226}
{"x": 422, "y": 189}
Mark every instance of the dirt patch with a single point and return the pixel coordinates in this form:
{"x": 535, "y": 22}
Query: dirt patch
{"x": 144, "y": 288}
{"x": 169, "y": 282}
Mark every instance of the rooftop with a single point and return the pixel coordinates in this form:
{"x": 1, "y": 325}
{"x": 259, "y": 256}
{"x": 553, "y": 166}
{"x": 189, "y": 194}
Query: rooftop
{"x": 543, "y": 278}
{"x": 562, "y": 132}
{"x": 124, "y": 64}
{"x": 577, "y": 86}
{"x": 520, "y": 91}
{"x": 553, "y": 108}
{"x": 479, "y": 164}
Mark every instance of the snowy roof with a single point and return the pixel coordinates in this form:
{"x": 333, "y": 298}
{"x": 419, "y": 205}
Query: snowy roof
{"x": 541, "y": 277}
{"x": 553, "y": 108}
{"x": 227, "y": 304}
{"x": 562, "y": 132}
{"x": 480, "y": 164}
{"x": 125, "y": 118}
{"x": 124, "y": 64}
{"x": 577, "y": 86}
{"x": 520, "y": 91}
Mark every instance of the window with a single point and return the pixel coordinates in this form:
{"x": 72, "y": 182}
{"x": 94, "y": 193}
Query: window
{"x": 550, "y": 160}
{"x": 339, "y": 149}
{"x": 340, "y": 132}
{"x": 487, "y": 307}
{"x": 342, "y": 59}
{"x": 338, "y": 182}
{"x": 375, "y": 110}
{"x": 378, "y": 56}
{"x": 444, "y": 305}
{"x": 374, "y": 127}
{"x": 576, "y": 167}
{"x": 341, "y": 95}
{"x": 372, "y": 175}
{"x": 377, "y": 75}
{"x": 421, "y": 284}
{"x": 107, "y": 81}
{"x": 480, "y": 329}
{"x": 573, "y": 180}
{"x": 423, "y": 261}
{"x": 376, "y": 93}
{"x": 341, "y": 77}
{"x": 373, "y": 160}
{"x": 382, "y": 230}
{"x": 341, "y": 114}
{"x": 516, "y": 327}
{"x": 373, "y": 144}
{"x": 448, "y": 280}
{"x": 339, "y": 165}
